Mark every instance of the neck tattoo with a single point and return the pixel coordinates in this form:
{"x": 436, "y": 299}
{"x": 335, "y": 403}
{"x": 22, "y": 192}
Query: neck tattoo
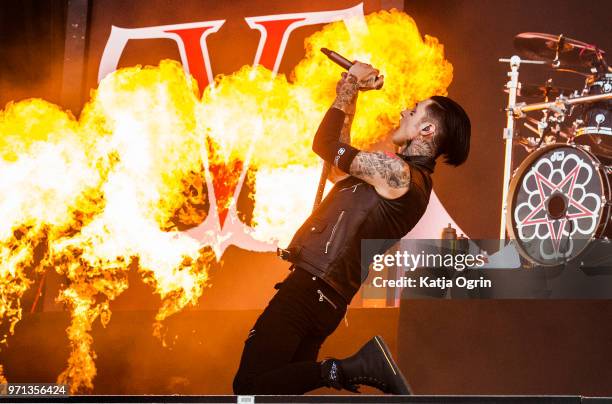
{"x": 419, "y": 147}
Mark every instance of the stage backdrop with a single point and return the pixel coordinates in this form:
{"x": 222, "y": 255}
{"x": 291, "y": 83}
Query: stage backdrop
{"x": 232, "y": 34}
{"x": 211, "y": 38}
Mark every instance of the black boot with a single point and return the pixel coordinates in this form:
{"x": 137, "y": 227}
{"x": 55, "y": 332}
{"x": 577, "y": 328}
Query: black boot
{"x": 373, "y": 366}
{"x": 332, "y": 374}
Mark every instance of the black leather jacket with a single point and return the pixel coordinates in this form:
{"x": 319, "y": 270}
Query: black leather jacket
{"x": 328, "y": 244}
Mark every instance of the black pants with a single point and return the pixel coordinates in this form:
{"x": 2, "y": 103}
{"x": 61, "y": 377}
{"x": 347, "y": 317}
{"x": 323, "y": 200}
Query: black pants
{"x": 280, "y": 352}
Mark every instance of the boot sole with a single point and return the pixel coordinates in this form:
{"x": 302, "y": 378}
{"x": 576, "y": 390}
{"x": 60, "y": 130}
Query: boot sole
{"x": 402, "y": 383}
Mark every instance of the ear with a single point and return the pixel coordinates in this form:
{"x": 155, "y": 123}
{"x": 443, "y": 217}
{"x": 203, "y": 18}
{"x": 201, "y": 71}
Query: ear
{"x": 427, "y": 129}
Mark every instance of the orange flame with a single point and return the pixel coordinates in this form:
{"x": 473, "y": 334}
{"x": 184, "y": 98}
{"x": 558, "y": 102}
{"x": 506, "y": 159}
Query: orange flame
{"x": 113, "y": 190}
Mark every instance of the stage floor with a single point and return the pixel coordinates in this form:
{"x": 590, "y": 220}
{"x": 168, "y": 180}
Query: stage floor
{"x": 362, "y": 399}
{"x": 469, "y": 347}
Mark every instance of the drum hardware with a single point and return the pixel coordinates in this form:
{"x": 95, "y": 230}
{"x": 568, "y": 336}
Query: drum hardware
{"x": 546, "y": 91}
{"x": 574, "y": 71}
{"x": 559, "y": 105}
{"x": 603, "y": 82}
{"x": 559, "y": 46}
{"x": 599, "y": 118}
{"x": 596, "y": 118}
{"x": 512, "y": 86}
{"x": 560, "y": 51}
{"x": 566, "y": 54}
{"x": 541, "y": 128}
{"x": 567, "y": 116}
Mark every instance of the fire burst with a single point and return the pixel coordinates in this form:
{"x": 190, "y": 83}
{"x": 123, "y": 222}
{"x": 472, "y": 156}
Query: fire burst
{"x": 116, "y": 189}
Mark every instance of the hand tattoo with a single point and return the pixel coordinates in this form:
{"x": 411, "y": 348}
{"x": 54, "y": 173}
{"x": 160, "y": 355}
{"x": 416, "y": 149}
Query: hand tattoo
{"x": 346, "y": 94}
{"x": 380, "y": 169}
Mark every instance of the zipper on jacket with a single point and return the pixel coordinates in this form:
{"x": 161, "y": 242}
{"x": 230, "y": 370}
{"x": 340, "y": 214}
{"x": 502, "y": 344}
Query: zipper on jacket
{"x": 353, "y": 187}
{"x": 323, "y": 297}
{"x": 333, "y": 232}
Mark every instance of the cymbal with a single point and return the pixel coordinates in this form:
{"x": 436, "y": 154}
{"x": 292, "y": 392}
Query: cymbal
{"x": 539, "y": 91}
{"x": 547, "y": 47}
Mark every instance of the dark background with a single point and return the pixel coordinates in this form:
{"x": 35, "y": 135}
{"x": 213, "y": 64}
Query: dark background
{"x": 31, "y": 49}
{"x": 446, "y": 347}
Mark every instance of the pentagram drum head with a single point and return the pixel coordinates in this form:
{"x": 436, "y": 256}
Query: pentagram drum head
{"x": 558, "y": 203}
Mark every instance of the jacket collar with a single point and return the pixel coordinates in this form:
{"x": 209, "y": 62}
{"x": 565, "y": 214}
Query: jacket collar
{"x": 425, "y": 162}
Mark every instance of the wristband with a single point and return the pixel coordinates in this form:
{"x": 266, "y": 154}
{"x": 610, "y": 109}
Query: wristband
{"x": 344, "y": 156}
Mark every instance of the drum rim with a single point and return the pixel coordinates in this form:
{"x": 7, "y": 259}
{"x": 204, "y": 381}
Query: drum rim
{"x": 518, "y": 174}
{"x": 585, "y": 130}
{"x": 592, "y": 81}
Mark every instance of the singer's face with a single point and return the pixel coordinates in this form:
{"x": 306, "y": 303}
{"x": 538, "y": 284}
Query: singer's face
{"x": 410, "y": 123}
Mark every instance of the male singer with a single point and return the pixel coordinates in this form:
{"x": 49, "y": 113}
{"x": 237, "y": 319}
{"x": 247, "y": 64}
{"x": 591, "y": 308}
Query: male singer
{"x": 377, "y": 195}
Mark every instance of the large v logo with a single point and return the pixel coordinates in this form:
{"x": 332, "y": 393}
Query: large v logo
{"x": 222, "y": 226}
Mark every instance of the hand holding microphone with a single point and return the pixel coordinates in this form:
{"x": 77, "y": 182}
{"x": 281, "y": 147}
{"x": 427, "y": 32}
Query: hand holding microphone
{"x": 366, "y": 75}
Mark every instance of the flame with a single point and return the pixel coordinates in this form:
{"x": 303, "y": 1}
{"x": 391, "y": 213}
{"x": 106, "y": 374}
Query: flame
{"x": 114, "y": 191}
{"x": 269, "y": 120}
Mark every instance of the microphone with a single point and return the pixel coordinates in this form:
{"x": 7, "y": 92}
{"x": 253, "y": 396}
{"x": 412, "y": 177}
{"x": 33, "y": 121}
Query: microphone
{"x": 337, "y": 58}
{"x": 341, "y": 61}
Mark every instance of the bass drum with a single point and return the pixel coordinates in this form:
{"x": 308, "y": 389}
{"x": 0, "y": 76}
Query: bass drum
{"x": 559, "y": 202}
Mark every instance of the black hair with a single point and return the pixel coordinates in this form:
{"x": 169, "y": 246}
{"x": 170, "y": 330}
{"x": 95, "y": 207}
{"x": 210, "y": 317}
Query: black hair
{"x": 453, "y": 131}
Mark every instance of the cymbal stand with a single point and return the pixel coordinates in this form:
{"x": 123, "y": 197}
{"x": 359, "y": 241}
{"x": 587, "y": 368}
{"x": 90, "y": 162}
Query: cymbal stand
{"x": 512, "y": 85}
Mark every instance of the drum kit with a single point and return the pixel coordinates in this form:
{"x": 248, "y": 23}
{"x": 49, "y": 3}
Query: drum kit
{"x": 557, "y": 204}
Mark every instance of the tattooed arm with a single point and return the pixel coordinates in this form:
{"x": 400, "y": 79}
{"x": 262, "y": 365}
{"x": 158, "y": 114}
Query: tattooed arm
{"x": 346, "y": 100}
{"x": 346, "y": 97}
{"x": 332, "y": 140}
{"x": 388, "y": 173}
